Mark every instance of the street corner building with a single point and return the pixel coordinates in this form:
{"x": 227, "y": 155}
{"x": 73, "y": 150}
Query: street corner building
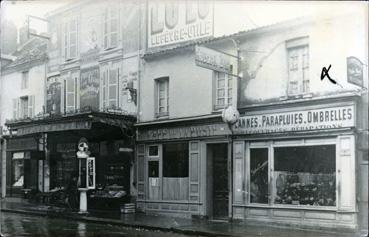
{"x": 79, "y": 87}
{"x": 146, "y": 86}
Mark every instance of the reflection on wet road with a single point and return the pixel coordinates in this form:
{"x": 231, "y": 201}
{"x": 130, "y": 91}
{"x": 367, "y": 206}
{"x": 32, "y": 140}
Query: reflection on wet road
{"x": 18, "y": 225}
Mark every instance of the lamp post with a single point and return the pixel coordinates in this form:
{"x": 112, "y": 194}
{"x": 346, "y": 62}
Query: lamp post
{"x": 82, "y": 156}
{"x": 230, "y": 116}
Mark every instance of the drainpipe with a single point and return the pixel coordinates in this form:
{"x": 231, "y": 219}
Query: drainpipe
{"x": 236, "y": 46}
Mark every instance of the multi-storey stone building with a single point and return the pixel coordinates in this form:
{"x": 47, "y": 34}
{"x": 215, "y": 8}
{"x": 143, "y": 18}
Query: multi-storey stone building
{"x": 86, "y": 91}
{"x": 300, "y": 145}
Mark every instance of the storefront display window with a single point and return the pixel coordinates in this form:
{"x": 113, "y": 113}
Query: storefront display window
{"x": 305, "y": 175}
{"x": 259, "y": 175}
{"x": 18, "y": 173}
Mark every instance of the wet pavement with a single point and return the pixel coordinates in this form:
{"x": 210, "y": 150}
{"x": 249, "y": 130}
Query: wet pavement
{"x": 43, "y": 220}
{"x": 17, "y": 225}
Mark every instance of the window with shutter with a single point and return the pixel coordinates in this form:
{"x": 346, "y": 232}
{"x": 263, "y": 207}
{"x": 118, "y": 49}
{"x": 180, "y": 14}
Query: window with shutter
{"x": 70, "y": 38}
{"x": 31, "y": 106}
{"x": 113, "y": 87}
{"x": 223, "y": 90}
{"x": 70, "y": 94}
{"x": 298, "y": 70}
{"x": 15, "y": 108}
{"x": 111, "y": 26}
{"x": 162, "y": 94}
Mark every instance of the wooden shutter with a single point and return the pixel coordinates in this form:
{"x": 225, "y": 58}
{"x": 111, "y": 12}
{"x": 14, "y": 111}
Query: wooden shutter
{"x": 141, "y": 172}
{"x": 113, "y": 88}
{"x": 31, "y": 106}
{"x": 15, "y": 106}
{"x": 194, "y": 173}
{"x": 105, "y": 28}
{"x": 73, "y": 25}
{"x": 346, "y": 173}
{"x": 113, "y": 27}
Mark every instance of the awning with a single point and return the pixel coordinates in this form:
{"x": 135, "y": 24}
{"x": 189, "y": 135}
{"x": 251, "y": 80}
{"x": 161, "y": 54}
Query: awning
{"x": 42, "y": 128}
{"x": 82, "y": 121}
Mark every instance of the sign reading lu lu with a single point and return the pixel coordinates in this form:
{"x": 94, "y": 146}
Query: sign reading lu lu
{"x": 177, "y": 21}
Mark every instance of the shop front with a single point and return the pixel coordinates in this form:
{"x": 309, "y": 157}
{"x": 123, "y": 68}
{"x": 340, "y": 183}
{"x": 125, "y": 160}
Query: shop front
{"x": 110, "y": 144}
{"x": 296, "y": 164}
{"x": 23, "y": 160}
{"x": 182, "y": 168}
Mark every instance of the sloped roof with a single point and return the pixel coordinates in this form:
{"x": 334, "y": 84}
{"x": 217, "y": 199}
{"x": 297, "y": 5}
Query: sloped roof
{"x": 34, "y": 50}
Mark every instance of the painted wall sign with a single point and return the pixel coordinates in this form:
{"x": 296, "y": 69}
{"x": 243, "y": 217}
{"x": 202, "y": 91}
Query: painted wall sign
{"x": 89, "y": 88}
{"x": 177, "y": 21}
{"x": 214, "y": 60}
{"x": 183, "y": 132}
{"x": 53, "y": 95}
{"x": 355, "y": 71}
{"x": 306, "y": 120}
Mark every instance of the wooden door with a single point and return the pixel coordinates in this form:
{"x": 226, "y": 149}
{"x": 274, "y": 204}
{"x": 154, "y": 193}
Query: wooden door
{"x": 220, "y": 181}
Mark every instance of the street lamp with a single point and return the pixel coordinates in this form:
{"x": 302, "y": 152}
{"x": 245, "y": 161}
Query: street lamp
{"x": 82, "y": 155}
{"x": 230, "y": 116}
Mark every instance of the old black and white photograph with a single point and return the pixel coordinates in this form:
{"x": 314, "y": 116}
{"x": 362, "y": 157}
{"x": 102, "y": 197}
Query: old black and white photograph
{"x": 179, "y": 118}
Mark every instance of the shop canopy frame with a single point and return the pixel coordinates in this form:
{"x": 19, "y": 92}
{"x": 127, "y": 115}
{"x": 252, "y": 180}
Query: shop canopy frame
{"x": 81, "y": 121}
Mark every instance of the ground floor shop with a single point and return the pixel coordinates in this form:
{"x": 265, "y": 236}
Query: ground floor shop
{"x": 297, "y": 165}
{"x": 42, "y": 159}
{"x": 183, "y": 168}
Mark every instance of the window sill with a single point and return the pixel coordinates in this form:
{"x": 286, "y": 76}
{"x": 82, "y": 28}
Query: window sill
{"x": 163, "y": 115}
{"x": 297, "y": 96}
{"x": 292, "y": 207}
{"x": 217, "y": 108}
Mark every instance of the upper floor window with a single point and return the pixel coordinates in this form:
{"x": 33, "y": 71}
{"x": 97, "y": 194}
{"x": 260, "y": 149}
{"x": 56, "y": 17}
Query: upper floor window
{"x": 298, "y": 66}
{"x": 23, "y": 107}
{"x": 70, "y": 38}
{"x": 110, "y": 86}
{"x": 71, "y": 92}
{"x": 223, "y": 90}
{"x": 162, "y": 97}
{"x": 111, "y": 21}
{"x": 24, "y": 83}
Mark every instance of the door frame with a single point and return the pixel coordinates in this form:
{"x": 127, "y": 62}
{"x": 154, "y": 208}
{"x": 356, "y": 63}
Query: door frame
{"x": 230, "y": 196}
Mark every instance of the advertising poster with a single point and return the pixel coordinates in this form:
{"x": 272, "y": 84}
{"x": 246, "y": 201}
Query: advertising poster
{"x": 53, "y": 95}
{"x": 89, "y": 88}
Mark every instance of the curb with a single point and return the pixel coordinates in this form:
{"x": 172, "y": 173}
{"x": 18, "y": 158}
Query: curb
{"x": 97, "y": 220}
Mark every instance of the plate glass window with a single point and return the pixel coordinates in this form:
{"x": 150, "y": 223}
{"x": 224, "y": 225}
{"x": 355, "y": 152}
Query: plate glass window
{"x": 305, "y": 175}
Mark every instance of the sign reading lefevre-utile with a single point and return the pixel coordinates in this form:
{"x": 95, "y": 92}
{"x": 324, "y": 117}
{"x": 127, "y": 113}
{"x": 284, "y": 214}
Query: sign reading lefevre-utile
{"x": 173, "y": 22}
{"x": 306, "y": 120}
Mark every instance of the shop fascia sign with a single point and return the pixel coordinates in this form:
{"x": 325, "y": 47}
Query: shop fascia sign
{"x": 215, "y": 60}
{"x": 173, "y": 22}
{"x": 294, "y": 121}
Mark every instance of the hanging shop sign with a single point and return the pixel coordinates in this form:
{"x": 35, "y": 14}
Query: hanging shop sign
{"x": 183, "y": 132}
{"x": 355, "y": 71}
{"x": 89, "y": 87}
{"x": 306, "y": 120}
{"x": 91, "y": 174}
{"x": 214, "y": 60}
{"x": 176, "y": 21}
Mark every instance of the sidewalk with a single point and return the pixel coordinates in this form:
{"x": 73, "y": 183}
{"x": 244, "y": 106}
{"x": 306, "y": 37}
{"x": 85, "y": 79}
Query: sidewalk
{"x": 163, "y": 223}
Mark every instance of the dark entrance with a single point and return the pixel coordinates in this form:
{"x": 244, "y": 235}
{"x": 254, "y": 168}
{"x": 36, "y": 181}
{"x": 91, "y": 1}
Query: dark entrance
{"x": 217, "y": 180}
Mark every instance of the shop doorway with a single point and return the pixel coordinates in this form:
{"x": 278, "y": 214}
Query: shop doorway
{"x": 217, "y": 181}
